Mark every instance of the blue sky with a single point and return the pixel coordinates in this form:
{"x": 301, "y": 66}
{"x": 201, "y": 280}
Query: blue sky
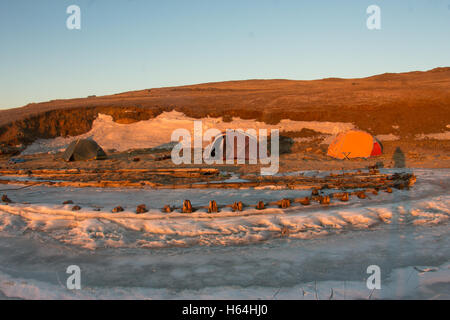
{"x": 137, "y": 44}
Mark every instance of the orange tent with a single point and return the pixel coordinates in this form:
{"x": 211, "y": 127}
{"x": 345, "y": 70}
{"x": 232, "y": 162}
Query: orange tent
{"x": 355, "y": 144}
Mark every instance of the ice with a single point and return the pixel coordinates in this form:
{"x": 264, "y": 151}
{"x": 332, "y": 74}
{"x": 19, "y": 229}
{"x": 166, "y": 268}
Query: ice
{"x": 226, "y": 255}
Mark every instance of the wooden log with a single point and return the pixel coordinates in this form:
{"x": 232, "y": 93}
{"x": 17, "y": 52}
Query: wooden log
{"x": 361, "y": 195}
{"x": 304, "y": 201}
{"x": 117, "y": 209}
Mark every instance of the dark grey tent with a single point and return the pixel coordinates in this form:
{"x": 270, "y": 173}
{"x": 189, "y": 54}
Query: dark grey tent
{"x": 84, "y": 149}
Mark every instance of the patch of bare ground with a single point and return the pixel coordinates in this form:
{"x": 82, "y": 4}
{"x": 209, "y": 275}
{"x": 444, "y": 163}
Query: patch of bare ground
{"x": 308, "y": 155}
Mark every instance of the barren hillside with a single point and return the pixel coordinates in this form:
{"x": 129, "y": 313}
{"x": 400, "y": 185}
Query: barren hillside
{"x": 404, "y": 104}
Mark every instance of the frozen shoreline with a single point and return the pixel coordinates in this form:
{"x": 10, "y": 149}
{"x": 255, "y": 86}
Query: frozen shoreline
{"x": 279, "y": 270}
{"x": 227, "y": 255}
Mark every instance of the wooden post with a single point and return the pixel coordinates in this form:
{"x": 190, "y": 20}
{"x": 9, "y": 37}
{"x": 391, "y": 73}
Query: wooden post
{"x": 399, "y": 186}
{"x": 260, "y": 205}
{"x": 5, "y": 199}
{"x": 187, "y": 207}
{"x": 237, "y": 206}
{"x": 412, "y": 180}
{"x": 284, "y": 231}
{"x": 345, "y": 197}
{"x": 285, "y": 203}
{"x": 141, "y": 209}
{"x": 117, "y": 209}
{"x": 325, "y": 200}
{"x": 213, "y": 207}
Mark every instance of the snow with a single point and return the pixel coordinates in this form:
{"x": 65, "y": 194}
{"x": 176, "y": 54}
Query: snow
{"x": 388, "y": 137}
{"x": 226, "y": 255}
{"x": 437, "y": 136}
{"x": 157, "y": 131}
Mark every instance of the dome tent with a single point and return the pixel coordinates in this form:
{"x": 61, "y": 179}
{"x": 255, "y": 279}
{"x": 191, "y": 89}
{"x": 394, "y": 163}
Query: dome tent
{"x": 355, "y": 144}
{"x": 242, "y": 150}
{"x": 84, "y": 149}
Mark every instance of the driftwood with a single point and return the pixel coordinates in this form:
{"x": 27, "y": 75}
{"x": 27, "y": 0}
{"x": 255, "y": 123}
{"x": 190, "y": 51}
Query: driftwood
{"x": 187, "y": 207}
{"x": 5, "y": 199}
{"x": 103, "y": 174}
{"x": 342, "y": 182}
{"x": 142, "y": 208}
{"x": 260, "y": 205}
{"x": 324, "y": 200}
{"x": 304, "y": 201}
{"x": 237, "y": 206}
{"x": 213, "y": 207}
{"x": 285, "y": 203}
{"x": 361, "y": 195}
{"x": 361, "y": 183}
{"x": 117, "y": 209}
{"x": 97, "y": 171}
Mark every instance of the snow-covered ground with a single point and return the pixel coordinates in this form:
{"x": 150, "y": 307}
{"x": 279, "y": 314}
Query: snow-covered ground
{"x": 226, "y": 255}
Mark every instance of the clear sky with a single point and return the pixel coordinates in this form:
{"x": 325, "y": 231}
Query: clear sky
{"x": 137, "y": 44}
